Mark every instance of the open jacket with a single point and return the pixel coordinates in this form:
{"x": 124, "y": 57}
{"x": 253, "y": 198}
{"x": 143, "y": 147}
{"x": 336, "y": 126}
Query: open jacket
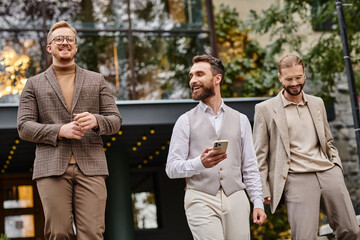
{"x": 272, "y": 146}
{"x": 42, "y": 111}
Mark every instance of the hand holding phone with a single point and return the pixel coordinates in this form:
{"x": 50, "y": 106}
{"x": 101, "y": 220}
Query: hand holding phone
{"x": 221, "y": 144}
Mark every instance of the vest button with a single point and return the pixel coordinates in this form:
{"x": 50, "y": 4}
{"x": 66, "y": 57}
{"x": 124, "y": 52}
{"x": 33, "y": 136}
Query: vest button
{"x": 284, "y": 177}
{"x": 220, "y": 169}
{"x": 221, "y": 178}
{"x": 288, "y": 162}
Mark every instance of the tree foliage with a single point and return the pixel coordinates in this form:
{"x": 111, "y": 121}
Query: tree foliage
{"x": 249, "y": 72}
{"x": 285, "y": 21}
{"x": 276, "y": 226}
{"x": 3, "y": 237}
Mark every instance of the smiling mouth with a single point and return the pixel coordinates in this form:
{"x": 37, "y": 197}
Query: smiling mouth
{"x": 195, "y": 88}
{"x": 295, "y": 88}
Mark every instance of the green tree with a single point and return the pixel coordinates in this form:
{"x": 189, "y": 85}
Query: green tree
{"x": 3, "y": 237}
{"x": 250, "y": 71}
{"x": 284, "y": 21}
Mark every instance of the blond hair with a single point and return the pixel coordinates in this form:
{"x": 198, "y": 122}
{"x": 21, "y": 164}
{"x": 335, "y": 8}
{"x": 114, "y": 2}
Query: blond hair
{"x": 289, "y": 61}
{"x": 61, "y": 24}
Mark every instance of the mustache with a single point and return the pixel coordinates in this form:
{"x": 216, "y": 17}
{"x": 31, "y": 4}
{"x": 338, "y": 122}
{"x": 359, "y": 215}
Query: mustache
{"x": 196, "y": 85}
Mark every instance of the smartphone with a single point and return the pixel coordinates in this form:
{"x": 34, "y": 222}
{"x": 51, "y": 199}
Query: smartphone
{"x": 222, "y": 144}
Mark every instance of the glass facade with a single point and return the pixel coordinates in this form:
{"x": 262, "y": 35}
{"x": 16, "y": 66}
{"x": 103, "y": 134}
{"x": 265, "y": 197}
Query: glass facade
{"x": 143, "y": 48}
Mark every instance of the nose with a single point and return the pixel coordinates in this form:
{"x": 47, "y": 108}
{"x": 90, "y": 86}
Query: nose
{"x": 65, "y": 42}
{"x": 192, "y": 80}
{"x": 294, "y": 82}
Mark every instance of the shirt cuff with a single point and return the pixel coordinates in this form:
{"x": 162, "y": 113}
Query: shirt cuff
{"x": 197, "y": 164}
{"x": 258, "y": 203}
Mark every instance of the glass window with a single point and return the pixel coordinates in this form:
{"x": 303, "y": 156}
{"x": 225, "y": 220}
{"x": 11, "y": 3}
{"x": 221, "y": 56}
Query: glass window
{"x": 20, "y": 14}
{"x": 169, "y": 14}
{"x": 98, "y": 14}
{"x": 18, "y": 197}
{"x": 20, "y": 58}
{"x": 20, "y": 226}
{"x": 144, "y": 201}
{"x": 164, "y": 35}
{"x": 144, "y": 208}
{"x": 106, "y": 53}
{"x": 162, "y": 63}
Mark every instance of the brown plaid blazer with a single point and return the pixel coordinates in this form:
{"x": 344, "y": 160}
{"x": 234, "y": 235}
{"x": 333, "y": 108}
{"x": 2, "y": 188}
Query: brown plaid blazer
{"x": 42, "y": 111}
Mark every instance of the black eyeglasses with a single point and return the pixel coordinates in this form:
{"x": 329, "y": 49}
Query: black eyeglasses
{"x": 60, "y": 39}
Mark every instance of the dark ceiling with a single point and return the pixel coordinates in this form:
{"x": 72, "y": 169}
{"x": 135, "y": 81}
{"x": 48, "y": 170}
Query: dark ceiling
{"x": 144, "y": 137}
{"x": 142, "y": 145}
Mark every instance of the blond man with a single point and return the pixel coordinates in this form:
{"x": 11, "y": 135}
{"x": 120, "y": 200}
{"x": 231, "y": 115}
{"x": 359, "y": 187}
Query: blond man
{"x": 65, "y": 110}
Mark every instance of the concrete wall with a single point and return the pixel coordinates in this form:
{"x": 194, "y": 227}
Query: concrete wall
{"x": 344, "y": 139}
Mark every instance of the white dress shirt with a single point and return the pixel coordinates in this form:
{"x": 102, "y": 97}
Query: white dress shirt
{"x": 178, "y": 166}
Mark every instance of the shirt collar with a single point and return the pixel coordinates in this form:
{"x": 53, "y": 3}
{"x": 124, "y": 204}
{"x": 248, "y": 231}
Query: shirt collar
{"x": 206, "y": 108}
{"x": 287, "y": 102}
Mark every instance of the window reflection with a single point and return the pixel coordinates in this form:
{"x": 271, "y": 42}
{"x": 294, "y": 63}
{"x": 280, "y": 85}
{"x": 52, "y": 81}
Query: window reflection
{"x": 144, "y": 200}
{"x": 168, "y": 14}
{"x": 162, "y": 64}
{"x": 20, "y": 14}
{"x": 20, "y": 226}
{"x": 153, "y": 66}
{"x": 144, "y": 209}
{"x": 106, "y": 53}
{"x": 18, "y": 197}
{"x": 19, "y": 58}
{"x": 99, "y": 14}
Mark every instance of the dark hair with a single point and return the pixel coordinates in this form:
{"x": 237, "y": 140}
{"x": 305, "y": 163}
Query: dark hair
{"x": 289, "y": 61}
{"x": 216, "y": 65}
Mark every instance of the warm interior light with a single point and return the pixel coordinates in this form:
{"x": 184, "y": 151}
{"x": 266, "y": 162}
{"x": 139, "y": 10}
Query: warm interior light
{"x": 13, "y": 76}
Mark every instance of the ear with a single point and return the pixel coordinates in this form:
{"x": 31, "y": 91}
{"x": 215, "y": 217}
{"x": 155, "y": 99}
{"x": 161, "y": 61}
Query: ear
{"x": 218, "y": 79}
{"x": 48, "y": 48}
{"x": 279, "y": 76}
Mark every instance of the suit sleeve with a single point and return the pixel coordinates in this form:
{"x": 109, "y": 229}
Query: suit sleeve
{"x": 261, "y": 144}
{"x": 109, "y": 119}
{"x": 329, "y": 139}
{"x": 29, "y": 128}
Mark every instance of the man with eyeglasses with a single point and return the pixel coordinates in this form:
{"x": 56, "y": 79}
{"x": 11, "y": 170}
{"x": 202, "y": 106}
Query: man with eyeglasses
{"x": 299, "y": 165}
{"x": 65, "y": 110}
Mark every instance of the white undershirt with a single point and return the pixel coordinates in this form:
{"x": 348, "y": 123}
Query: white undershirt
{"x": 178, "y": 166}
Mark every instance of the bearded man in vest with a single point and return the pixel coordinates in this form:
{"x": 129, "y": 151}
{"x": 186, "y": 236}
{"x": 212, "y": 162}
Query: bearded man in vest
{"x": 216, "y": 204}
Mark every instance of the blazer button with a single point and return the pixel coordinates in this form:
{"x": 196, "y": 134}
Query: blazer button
{"x": 221, "y": 178}
{"x": 220, "y": 169}
{"x": 284, "y": 177}
{"x": 288, "y": 162}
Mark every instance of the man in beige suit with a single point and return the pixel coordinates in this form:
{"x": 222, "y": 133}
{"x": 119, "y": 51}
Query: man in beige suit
{"x": 65, "y": 110}
{"x": 216, "y": 204}
{"x": 298, "y": 162}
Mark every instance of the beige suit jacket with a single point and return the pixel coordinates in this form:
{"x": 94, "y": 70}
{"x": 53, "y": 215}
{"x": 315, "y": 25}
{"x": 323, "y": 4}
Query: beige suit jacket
{"x": 271, "y": 141}
{"x": 42, "y": 111}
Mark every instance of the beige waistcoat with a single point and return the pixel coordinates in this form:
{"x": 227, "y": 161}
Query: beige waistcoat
{"x": 227, "y": 174}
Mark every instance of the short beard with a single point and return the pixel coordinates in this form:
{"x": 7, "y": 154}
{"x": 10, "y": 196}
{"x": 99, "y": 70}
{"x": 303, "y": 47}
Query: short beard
{"x": 294, "y": 94}
{"x": 207, "y": 92}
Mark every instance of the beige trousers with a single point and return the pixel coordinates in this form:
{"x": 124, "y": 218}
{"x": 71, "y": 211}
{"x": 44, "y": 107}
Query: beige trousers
{"x": 73, "y": 198}
{"x": 218, "y": 217}
{"x": 308, "y": 193}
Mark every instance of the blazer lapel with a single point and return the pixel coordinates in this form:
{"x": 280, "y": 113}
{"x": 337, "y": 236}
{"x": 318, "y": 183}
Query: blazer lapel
{"x": 315, "y": 112}
{"x": 280, "y": 120}
{"x": 79, "y": 80}
{"x": 50, "y": 76}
